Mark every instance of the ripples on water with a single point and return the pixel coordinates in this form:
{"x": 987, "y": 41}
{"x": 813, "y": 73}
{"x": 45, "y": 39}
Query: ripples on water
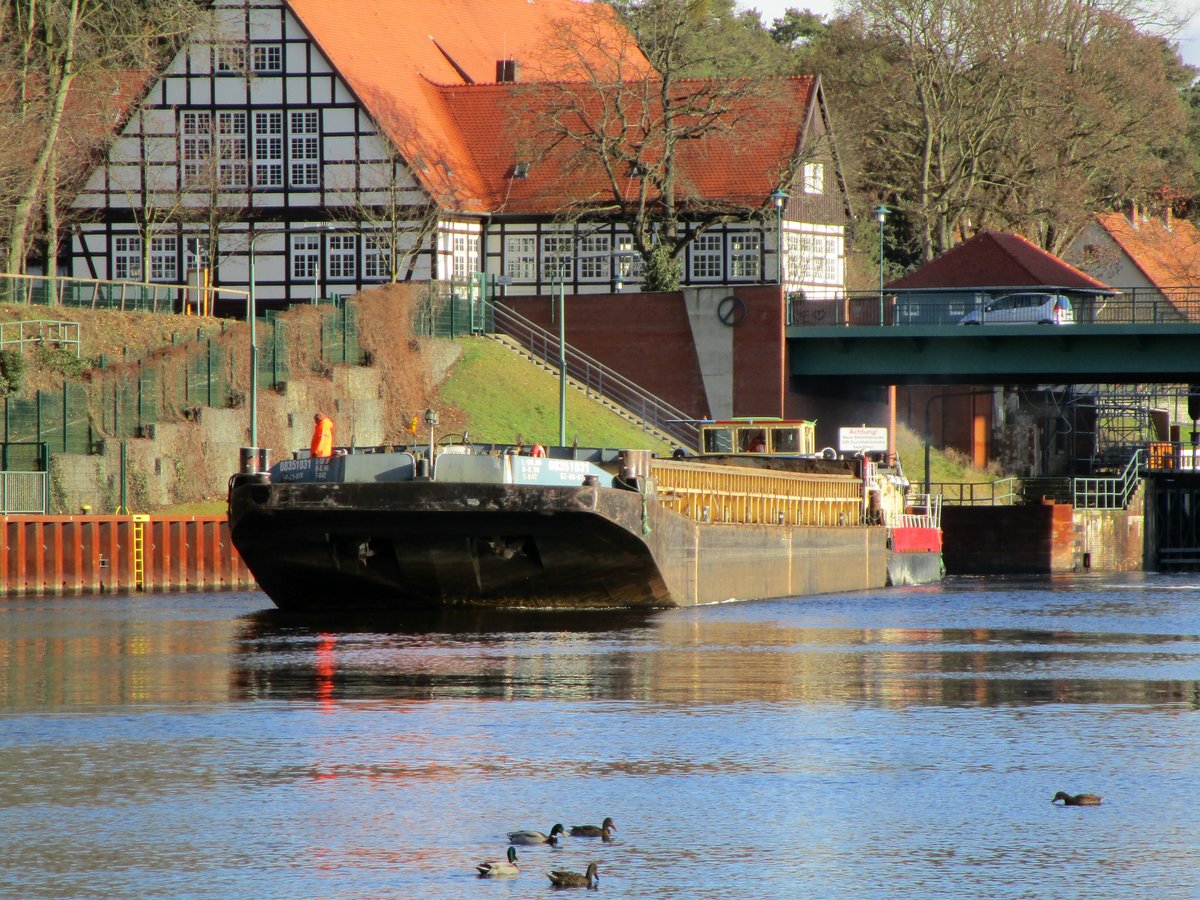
{"x": 905, "y": 743}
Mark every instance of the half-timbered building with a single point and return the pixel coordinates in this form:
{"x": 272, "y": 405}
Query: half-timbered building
{"x": 336, "y": 145}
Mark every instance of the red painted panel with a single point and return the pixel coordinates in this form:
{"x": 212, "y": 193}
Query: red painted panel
{"x": 917, "y": 540}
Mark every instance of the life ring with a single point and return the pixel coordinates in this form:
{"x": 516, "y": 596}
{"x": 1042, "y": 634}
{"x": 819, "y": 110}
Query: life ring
{"x": 538, "y": 450}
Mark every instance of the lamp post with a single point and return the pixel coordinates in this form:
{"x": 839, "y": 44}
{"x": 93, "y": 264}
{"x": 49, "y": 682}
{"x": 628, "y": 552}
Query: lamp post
{"x": 881, "y": 213}
{"x": 560, "y": 282}
{"x": 779, "y": 197}
{"x": 252, "y": 315}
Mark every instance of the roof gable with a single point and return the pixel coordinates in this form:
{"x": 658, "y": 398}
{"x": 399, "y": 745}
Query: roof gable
{"x": 998, "y": 260}
{"x": 1167, "y": 254}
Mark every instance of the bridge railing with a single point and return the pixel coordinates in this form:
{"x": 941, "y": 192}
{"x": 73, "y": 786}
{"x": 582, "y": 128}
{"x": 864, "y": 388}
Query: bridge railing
{"x": 941, "y": 306}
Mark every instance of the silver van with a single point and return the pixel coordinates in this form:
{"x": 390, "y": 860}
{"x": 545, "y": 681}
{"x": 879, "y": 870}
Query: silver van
{"x": 1023, "y": 309}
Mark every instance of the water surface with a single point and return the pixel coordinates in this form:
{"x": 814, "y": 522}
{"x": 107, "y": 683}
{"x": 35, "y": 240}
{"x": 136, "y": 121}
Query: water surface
{"x": 897, "y": 744}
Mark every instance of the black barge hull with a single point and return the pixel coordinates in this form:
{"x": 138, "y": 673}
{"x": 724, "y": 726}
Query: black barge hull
{"x": 420, "y": 544}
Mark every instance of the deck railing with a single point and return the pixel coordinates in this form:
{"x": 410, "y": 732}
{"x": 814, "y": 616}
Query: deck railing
{"x": 721, "y": 494}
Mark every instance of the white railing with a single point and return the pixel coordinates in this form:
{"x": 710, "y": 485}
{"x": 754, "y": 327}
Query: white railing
{"x": 24, "y": 493}
{"x": 926, "y": 512}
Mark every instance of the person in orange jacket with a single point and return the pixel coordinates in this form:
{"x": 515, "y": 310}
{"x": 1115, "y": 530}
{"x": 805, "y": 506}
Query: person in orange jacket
{"x": 322, "y": 436}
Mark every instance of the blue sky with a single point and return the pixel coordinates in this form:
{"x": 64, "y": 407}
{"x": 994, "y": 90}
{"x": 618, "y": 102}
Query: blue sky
{"x": 1189, "y": 40}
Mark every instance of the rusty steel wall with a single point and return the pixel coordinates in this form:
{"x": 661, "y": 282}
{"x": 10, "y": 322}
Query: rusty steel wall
{"x": 46, "y": 555}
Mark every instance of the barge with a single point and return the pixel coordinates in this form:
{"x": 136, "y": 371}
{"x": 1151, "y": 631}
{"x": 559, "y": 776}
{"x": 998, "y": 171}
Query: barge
{"x": 757, "y": 514}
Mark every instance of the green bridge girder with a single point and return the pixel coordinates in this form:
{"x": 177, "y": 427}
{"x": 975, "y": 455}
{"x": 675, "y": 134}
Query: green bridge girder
{"x": 996, "y": 354}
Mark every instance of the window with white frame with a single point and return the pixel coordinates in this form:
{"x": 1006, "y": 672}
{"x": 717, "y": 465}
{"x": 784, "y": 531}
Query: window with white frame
{"x": 377, "y": 257}
{"x": 164, "y": 260}
{"x": 794, "y": 262}
{"x": 342, "y": 255}
{"x": 127, "y": 258}
{"x": 473, "y": 253}
{"x": 820, "y": 258}
{"x": 557, "y": 262}
{"x": 595, "y": 257}
{"x": 745, "y": 254}
{"x": 267, "y": 58}
{"x": 706, "y": 256}
{"x": 304, "y": 148}
{"x": 833, "y": 260}
{"x": 629, "y": 261}
{"x": 814, "y": 178}
{"x": 195, "y": 149}
{"x": 230, "y": 58}
{"x": 306, "y": 255}
{"x": 458, "y": 256}
{"x": 520, "y": 257}
{"x": 268, "y": 149}
{"x": 231, "y": 149}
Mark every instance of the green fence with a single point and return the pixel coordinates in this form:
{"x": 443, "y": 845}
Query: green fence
{"x": 458, "y": 308}
{"x": 125, "y": 396}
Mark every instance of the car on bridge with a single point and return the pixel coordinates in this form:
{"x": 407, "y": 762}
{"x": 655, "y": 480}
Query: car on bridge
{"x": 1022, "y": 309}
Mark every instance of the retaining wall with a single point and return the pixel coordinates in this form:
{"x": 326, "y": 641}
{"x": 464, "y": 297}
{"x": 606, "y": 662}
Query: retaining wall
{"x": 46, "y": 555}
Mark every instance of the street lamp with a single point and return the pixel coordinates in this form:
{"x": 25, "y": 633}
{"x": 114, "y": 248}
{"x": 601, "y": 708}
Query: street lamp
{"x": 881, "y": 213}
{"x": 779, "y": 197}
{"x": 252, "y": 315}
{"x": 560, "y": 281}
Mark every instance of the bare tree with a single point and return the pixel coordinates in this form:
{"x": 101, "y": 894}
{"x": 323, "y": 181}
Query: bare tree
{"x": 47, "y": 45}
{"x": 974, "y": 114}
{"x": 633, "y": 112}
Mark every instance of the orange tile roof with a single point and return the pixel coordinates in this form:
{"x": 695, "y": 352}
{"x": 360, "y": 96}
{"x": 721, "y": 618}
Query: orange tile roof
{"x": 394, "y": 55}
{"x": 998, "y": 259}
{"x": 721, "y": 168}
{"x": 1168, "y": 257}
{"x": 425, "y": 70}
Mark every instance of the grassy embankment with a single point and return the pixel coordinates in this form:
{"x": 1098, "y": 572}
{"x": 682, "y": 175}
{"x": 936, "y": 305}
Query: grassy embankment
{"x": 505, "y": 398}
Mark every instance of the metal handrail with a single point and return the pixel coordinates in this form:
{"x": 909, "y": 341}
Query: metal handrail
{"x": 1003, "y": 492}
{"x": 1109, "y": 493}
{"x": 40, "y": 333}
{"x": 596, "y": 377}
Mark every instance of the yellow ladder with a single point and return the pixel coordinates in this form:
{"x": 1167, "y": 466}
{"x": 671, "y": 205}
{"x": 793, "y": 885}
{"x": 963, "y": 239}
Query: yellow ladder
{"x": 139, "y": 551}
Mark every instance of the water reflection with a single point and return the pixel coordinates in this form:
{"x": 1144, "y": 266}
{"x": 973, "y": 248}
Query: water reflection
{"x": 206, "y": 746}
{"x": 703, "y": 656}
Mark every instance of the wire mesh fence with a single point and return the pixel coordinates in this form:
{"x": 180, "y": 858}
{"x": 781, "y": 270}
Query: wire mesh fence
{"x": 123, "y": 397}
